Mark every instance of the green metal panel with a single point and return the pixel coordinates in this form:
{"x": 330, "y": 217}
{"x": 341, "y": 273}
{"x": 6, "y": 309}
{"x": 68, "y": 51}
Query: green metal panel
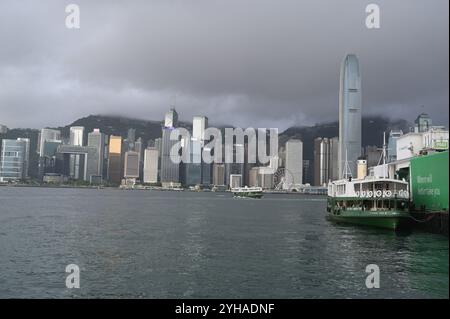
{"x": 429, "y": 182}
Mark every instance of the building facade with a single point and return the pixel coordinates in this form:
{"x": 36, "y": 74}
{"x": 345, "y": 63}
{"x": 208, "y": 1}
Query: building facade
{"x": 294, "y": 161}
{"x": 115, "y": 159}
{"x": 349, "y": 115}
{"x": 151, "y": 155}
{"x": 97, "y": 139}
{"x": 13, "y": 159}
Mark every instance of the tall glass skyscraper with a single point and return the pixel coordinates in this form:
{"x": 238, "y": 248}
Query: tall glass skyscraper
{"x": 115, "y": 167}
{"x": 97, "y": 139}
{"x": 349, "y": 115}
{"x": 13, "y": 159}
{"x": 170, "y": 170}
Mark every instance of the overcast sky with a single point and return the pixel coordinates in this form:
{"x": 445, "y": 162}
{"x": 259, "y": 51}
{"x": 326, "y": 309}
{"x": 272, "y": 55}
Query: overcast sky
{"x": 243, "y": 62}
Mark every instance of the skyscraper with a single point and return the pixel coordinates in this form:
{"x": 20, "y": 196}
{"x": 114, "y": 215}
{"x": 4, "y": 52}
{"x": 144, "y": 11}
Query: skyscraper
{"x": 76, "y": 139}
{"x": 199, "y": 125}
{"x": 294, "y": 161}
{"x": 170, "y": 170}
{"x": 334, "y": 158}
{"x": 321, "y": 161}
{"x": 392, "y": 145}
{"x": 131, "y": 165}
{"x": 349, "y": 115}
{"x": 13, "y": 159}
{"x": 48, "y": 141}
{"x": 218, "y": 174}
{"x": 76, "y": 135}
{"x": 97, "y": 139}
{"x": 171, "y": 118}
{"x": 47, "y": 135}
{"x": 26, "y": 156}
{"x": 151, "y": 156}
{"x": 115, "y": 159}
{"x": 325, "y": 160}
{"x": 422, "y": 123}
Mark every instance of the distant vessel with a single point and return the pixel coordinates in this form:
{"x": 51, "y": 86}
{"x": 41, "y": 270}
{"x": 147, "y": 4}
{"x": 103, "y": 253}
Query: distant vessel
{"x": 250, "y": 192}
{"x": 379, "y": 202}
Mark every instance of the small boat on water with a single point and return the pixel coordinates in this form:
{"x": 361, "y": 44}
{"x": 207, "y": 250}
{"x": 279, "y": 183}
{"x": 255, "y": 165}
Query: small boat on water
{"x": 247, "y": 192}
{"x": 372, "y": 201}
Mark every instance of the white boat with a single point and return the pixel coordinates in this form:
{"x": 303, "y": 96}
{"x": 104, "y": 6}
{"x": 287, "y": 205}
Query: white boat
{"x": 250, "y": 192}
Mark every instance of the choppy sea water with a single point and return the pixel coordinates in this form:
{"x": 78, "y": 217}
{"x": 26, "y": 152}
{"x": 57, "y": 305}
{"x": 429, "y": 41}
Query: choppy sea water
{"x": 155, "y": 244}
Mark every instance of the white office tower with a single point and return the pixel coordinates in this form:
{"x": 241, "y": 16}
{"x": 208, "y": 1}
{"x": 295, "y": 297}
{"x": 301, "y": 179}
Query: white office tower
{"x": 199, "y": 125}
{"x": 26, "y": 156}
{"x": 294, "y": 162}
{"x": 76, "y": 135}
{"x": 151, "y": 155}
{"x": 235, "y": 180}
{"x": 171, "y": 118}
{"x": 349, "y": 115}
{"x": 76, "y": 139}
{"x": 47, "y": 135}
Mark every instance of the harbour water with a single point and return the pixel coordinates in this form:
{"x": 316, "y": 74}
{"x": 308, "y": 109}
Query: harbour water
{"x": 156, "y": 244}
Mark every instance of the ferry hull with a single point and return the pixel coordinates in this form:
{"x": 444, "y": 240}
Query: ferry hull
{"x": 248, "y": 195}
{"x": 393, "y": 222}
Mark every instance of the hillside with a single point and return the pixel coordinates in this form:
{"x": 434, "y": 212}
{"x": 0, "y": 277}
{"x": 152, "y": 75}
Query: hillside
{"x": 373, "y": 128}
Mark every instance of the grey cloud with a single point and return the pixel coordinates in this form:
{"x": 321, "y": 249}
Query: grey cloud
{"x": 249, "y": 63}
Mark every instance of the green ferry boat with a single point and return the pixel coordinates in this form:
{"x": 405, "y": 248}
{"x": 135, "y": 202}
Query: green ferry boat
{"x": 247, "y": 192}
{"x": 372, "y": 201}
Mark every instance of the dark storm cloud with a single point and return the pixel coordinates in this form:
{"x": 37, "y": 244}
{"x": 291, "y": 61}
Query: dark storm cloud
{"x": 249, "y": 63}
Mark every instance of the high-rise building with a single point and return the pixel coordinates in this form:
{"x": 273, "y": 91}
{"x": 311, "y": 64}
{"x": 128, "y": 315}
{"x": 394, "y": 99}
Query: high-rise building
{"x": 392, "y": 145}
{"x": 235, "y": 180}
{"x": 206, "y": 173}
{"x": 422, "y": 123}
{"x": 170, "y": 169}
{"x": 171, "y": 118}
{"x": 3, "y": 129}
{"x": 253, "y": 177}
{"x": 199, "y": 125}
{"x": 131, "y": 135}
{"x": 265, "y": 177}
{"x": 373, "y": 155}
{"x": 97, "y": 139}
{"x": 349, "y": 116}
{"x": 131, "y": 165}
{"x": 334, "y": 159}
{"x": 48, "y": 142}
{"x": 13, "y": 159}
{"x": 321, "y": 161}
{"x": 76, "y": 139}
{"x": 151, "y": 155}
{"x": 294, "y": 161}
{"x": 139, "y": 148}
{"x": 47, "y": 135}
{"x": 26, "y": 156}
{"x": 115, "y": 159}
{"x": 76, "y": 135}
{"x": 218, "y": 174}
{"x": 325, "y": 160}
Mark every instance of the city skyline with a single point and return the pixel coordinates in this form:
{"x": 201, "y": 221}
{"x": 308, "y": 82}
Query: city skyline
{"x": 265, "y": 74}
